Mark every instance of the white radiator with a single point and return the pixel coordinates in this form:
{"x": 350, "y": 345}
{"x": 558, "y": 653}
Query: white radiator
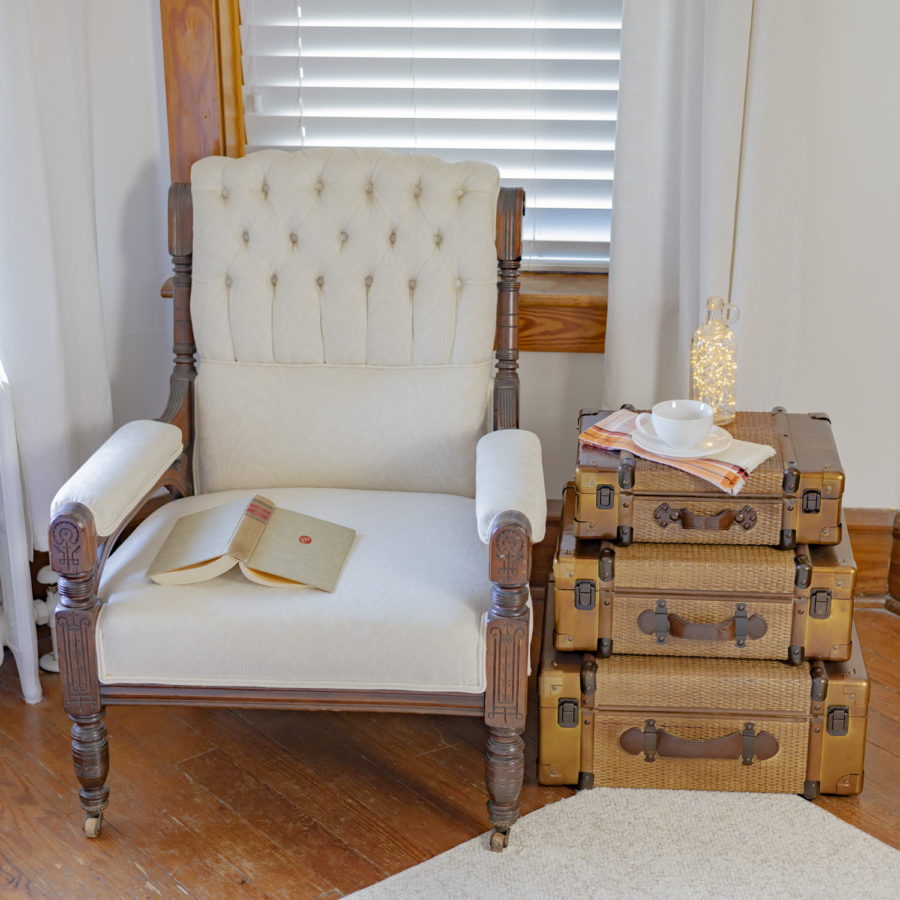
{"x": 17, "y": 629}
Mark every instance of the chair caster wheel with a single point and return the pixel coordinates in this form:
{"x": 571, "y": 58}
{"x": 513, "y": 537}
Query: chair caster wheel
{"x": 92, "y": 825}
{"x": 499, "y": 840}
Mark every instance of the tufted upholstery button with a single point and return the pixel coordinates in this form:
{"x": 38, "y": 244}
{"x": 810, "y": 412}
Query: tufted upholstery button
{"x": 412, "y": 283}
{"x": 368, "y": 281}
{"x": 393, "y": 237}
{"x": 343, "y": 236}
{"x": 224, "y": 193}
{"x": 369, "y": 187}
{"x": 274, "y": 279}
{"x": 246, "y": 236}
{"x": 265, "y": 187}
{"x": 459, "y": 282}
{"x": 319, "y": 185}
{"x": 293, "y": 238}
{"x": 461, "y": 192}
{"x": 320, "y": 281}
{"x": 438, "y": 238}
{"x": 228, "y": 281}
{"x": 417, "y": 190}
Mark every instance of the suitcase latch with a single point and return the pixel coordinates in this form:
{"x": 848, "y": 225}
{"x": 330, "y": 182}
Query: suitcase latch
{"x": 585, "y": 594}
{"x": 605, "y": 497}
{"x": 820, "y": 603}
{"x": 838, "y": 720}
{"x": 812, "y": 501}
{"x": 567, "y": 713}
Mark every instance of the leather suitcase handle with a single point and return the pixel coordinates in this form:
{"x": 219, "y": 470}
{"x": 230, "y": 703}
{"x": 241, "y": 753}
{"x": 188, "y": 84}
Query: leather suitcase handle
{"x": 653, "y": 742}
{"x": 665, "y": 515}
{"x": 686, "y": 630}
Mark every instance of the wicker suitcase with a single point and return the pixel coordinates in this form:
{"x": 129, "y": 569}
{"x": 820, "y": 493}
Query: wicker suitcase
{"x": 793, "y": 497}
{"x": 701, "y": 724}
{"x": 708, "y": 600}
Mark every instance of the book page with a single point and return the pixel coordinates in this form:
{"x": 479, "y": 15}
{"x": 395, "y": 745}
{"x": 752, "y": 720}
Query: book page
{"x": 198, "y": 539}
{"x": 301, "y": 549}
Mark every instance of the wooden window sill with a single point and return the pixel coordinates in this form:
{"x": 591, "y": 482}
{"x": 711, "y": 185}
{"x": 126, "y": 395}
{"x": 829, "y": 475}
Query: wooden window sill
{"x": 562, "y": 312}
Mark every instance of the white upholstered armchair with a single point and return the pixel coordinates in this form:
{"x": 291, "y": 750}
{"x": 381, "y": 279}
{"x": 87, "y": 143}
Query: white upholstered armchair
{"x": 342, "y": 306}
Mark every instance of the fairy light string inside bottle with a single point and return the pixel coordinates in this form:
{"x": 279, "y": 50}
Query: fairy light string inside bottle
{"x": 714, "y": 360}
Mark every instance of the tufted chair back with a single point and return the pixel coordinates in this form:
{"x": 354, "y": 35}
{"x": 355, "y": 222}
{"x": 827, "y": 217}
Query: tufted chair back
{"x": 343, "y": 306}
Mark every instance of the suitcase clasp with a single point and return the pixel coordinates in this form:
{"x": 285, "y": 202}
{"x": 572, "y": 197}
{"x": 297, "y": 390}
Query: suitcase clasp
{"x": 567, "y": 713}
{"x": 811, "y": 502}
{"x": 585, "y": 594}
{"x": 838, "y": 720}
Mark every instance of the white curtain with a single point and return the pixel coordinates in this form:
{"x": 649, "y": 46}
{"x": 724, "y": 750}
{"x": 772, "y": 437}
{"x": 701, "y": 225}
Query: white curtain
{"x": 756, "y": 160}
{"x": 51, "y": 323}
{"x": 681, "y": 103}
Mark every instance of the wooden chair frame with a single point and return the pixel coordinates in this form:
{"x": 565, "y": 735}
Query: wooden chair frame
{"x": 78, "y": 555}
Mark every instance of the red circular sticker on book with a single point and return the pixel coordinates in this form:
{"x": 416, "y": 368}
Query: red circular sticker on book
{"x": 305, "y": 539}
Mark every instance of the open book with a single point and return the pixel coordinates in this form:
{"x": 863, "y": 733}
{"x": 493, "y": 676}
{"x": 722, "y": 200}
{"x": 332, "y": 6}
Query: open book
{"x": 272, "y": 546}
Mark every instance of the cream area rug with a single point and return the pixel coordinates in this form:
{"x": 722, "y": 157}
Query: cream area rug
{"x": 672, "y": 844}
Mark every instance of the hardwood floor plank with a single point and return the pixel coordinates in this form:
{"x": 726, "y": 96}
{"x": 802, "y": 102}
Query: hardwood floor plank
{"x": 35, "y": 828}
{"x": 343, "y": 807}
{"x": 316, "y": 853}
{"x": 13, "y": 881}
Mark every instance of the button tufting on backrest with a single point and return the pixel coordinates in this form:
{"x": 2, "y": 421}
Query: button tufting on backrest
{"x": 274, "y": 279}
{"x": 228, "y": 281}
{"x": 224, "y": 193}
{"x": 336, "y": 300}
{"x": 461, "y": 192}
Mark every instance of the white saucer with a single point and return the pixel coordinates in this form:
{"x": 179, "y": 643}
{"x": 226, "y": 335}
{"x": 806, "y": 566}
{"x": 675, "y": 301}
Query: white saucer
{"x": 716, "y": 441}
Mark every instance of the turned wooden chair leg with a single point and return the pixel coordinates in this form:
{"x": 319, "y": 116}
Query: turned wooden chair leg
{"x": 505, "y": 765}
{"x": 90, "y": 753}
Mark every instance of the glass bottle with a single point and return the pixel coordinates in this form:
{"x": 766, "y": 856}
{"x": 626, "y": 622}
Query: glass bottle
{"x": 714, "y": 360}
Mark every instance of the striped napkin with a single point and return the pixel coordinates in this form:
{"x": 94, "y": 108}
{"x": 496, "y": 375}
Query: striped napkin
{"x": 727, "y": 470}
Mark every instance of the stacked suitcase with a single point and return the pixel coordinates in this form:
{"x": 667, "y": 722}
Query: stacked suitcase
{"x": 706, "y": 634}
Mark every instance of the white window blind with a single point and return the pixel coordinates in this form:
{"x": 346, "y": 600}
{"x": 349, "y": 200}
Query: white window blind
{"x": 529, "y": 85}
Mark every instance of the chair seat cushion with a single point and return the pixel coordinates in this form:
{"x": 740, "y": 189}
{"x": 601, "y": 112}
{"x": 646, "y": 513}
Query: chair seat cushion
{"x": 408, "y": 613}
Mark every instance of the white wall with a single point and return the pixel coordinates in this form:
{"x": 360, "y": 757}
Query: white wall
{"x": 131, "y": 177}
{"x": 554, "y": 387}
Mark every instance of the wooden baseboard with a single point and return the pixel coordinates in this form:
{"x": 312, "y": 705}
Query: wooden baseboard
{"x": 870, "y": 535}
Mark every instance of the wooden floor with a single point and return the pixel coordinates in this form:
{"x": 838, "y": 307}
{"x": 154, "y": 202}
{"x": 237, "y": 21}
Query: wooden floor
{"x": 219, "y": 804}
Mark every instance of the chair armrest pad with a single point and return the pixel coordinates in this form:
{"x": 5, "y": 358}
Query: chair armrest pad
{"x": 121, "y": 471}
{"x": 509, "y": 474}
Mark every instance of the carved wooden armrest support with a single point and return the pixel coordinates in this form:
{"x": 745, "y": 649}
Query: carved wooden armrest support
{"x": 507, "y": 628}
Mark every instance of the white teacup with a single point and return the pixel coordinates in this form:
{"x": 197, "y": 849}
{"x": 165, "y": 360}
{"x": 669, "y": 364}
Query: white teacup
{"x": 682, "y": 424}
